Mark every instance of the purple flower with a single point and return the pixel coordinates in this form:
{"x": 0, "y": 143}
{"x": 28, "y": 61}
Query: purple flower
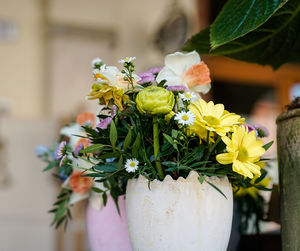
{"x": 61, "y": 150}
{"x": 104, "y": 123}
{"x": 63, "y": 161}
{"x": 154, "y": 70}
{"x": 250, "y": 128}
{"x": 146, "y": 77}
{"x": 113, "y": 111}
{"x": 262, "y": 131}
{"x": 78, "y": 149}
{"x": 41, "y": 150}
{"x": 177, "y": 88}
{"x": 149, "y": 75}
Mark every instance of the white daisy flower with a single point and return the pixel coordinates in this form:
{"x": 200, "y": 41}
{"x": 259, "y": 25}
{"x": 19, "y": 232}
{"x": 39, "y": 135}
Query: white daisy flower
{"x": 96, "y": 62}
{"x": 185, "y": 118}
{"x": 187, "y": 96}
{"x": 96, "y": 71}
{"x": 127, "y": 60}
{"x": 131, "y": 165}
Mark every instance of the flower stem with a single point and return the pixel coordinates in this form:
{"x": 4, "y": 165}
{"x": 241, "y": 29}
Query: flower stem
{"x": 156, "y": 147}
{"x": 210, "y": 150}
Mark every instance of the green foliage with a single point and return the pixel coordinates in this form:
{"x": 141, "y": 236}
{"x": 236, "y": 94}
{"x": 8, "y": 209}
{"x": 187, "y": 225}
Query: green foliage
{"x": 268, "y": 145}
{"x": 61, "y": 209}
{"x": 238, "y": 18}
{"x": 93, "y": 148}
{"x": 273, "y": 39}
{"x": 113, "y": 135}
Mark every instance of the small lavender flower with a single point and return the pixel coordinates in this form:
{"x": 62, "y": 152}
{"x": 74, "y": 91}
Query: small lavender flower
{"x": 262, "y": 131}
{"x": 150, "y": 75}
{"x": 146, "y": 77}
{"x": 41, "y": 150}
{"x": 113, "y": 111}
{"x": 177, "y": 88}
{"x": 78, "y": 149}
{"x": 104, "y": 123}
{"x": 154, "y": 70}
{"x": 61, "y": 150}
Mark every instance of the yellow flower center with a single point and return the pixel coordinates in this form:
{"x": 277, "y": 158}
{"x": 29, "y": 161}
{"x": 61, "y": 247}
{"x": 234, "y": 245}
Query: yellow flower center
{"x": 188, "y": 95}
{"x": 211, "y": 120}
{"x": 243, "y": 154}
{"x": 132, "y": 164}
{"x": 185, "y": 117}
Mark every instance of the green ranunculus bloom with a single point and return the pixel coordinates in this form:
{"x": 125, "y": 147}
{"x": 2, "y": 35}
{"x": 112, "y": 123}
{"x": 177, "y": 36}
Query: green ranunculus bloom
{"x": 155, "y": 100}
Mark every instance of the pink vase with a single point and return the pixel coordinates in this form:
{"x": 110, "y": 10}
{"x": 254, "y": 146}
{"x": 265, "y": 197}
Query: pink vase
{"x": 107, "y": 230}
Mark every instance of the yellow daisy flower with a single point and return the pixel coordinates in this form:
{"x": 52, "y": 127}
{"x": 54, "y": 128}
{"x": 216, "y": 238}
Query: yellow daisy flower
{"x": 243, "y": 151}
{"x": 212, "y": 118}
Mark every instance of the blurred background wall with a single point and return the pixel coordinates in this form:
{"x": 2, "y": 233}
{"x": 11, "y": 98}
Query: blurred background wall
{"x": 46, "y": 47}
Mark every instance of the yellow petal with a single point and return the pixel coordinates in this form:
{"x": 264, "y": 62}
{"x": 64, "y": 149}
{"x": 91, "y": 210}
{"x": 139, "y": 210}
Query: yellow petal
{"x": 240, "y": 168}
{"x": 225, "y": 158}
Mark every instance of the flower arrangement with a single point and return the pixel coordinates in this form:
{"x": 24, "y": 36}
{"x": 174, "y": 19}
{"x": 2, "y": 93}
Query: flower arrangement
{"x": 62, "y": 157}
{"x": 155, "y": 124}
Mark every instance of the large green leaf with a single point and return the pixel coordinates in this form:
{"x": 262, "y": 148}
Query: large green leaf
{"x": 238, "y": 17}
{"x": 276, "y": 42}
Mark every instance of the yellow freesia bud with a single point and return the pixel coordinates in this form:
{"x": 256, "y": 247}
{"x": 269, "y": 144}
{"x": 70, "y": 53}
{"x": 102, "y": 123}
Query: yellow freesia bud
{"x": 155, "y": 100}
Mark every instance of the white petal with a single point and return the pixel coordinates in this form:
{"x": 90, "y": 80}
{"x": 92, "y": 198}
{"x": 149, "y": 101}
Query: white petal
{"x": 181, "y": 62}
{"x": 167, "y": 74}
{"x": 75, "y": 197}
{"x": 201, "y": 88}
{"x": 96, "y": 201}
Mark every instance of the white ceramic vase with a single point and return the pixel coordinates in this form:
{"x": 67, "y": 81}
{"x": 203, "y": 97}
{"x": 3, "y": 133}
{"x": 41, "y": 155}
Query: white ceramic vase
{"x": 179, "y": 215}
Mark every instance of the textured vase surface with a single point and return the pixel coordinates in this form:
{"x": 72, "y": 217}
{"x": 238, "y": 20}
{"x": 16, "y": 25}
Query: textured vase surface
{"x": 107, "y": 230}
{"x": 179, "y": 215}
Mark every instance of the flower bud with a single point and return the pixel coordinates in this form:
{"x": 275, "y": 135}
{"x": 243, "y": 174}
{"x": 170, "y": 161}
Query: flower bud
{"x": 155, "y": 100}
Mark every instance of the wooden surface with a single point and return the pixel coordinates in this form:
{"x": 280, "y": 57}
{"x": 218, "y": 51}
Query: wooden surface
{"x": 288, "y": 136}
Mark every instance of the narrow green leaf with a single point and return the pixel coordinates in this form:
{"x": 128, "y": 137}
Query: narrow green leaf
{"x": 94, "y": 175}
{"x": 97, "y": 190}
{"x": 106, "y": 168}
{"x": 171, "y": 141}
{"x": 174, "y": 134}
{"x": 109, "y": 155}
{"x": 218, "y": 189}
{"x": 169, "y": 163}
{"x": 202, "y": 178}
{"x": 60, "y": 221}
{"x": 136, "y": 146}
{"x": 113, "y": 135}
{"x": 120, "y": 162}
{"x": 176, "y": 168}
{"x": 127, "y": 140}
{"x": 261, "y": 177}
{"x": 60, "y": 212}
{"x": 51, "y": 165}
{"x": 93, "y": 148}
{"x": 268, "y": 145}
{"x": 104, "y": 197}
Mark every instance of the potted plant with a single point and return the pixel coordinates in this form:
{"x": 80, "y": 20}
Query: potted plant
{"x": 103, "y": 223}
{"x": 179, "y": 156}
